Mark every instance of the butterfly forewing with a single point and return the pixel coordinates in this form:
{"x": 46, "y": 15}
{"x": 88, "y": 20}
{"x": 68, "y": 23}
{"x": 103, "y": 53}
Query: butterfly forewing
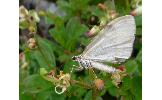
{"x": 114, "y": 42}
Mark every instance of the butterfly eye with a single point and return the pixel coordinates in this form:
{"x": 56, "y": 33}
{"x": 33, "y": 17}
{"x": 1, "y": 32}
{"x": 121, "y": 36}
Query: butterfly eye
{"x": 73, "y": 58}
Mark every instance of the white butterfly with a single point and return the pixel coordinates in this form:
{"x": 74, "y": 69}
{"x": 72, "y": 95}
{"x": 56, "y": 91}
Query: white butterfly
{"x": 113, "y": 44}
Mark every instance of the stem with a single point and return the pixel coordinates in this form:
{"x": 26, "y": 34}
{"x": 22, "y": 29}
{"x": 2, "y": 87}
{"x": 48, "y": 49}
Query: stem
{"x": 94, "y": 93}
{"x": 81, "y": 84}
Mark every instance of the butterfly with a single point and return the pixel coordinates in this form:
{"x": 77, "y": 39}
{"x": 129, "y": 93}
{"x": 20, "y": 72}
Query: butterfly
{"x": 113, "y": 44}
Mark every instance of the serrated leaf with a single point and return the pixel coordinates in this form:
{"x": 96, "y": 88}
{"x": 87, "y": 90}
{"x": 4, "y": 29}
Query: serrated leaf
{"x": 74, "y": 30}
{"x": 139, "y": 57}
{"x": 136, "y": 87}
{"x": 46, "y": 51}
{"x": 126, "y": 83}
{"x": 68, "y": 66}
{"x": 39, "y": 58}
{"x": 131, "y": 66}
{"x": 88, "y": 95}
{"x": 35, "y": 84}
{"x": 49, "y": 95}
{"x": 59, "y": 35}
{"x": 113, "y": 91}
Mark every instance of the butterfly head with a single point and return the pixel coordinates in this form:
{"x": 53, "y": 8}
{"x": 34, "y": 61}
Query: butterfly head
{"x": 76, "y": 58}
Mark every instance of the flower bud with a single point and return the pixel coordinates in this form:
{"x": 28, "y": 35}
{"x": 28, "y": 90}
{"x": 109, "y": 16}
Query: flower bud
{"x": 34, "y": 15}
{"x": 99, "y": 84}
{"x": 101, "y": 6}
{"x": 31, "y": 43}
{"x": 93, "y": 31}
{"x": 137, "y": 11}
{"x": 32, "y": 30}
{"x": 23, "y": 12}
{"x": 42, "y": 13}
{"x": 121, "y": 68}
{"x": 113, "y": 14}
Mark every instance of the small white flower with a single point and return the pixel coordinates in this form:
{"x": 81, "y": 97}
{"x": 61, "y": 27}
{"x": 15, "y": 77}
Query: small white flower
{"x": 23, "y": 12}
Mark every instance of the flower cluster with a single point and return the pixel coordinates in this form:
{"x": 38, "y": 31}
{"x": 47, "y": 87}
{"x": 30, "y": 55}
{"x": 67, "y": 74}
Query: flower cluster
{"x": 28, "y": 20}
{"x": 118, "y": 75}
{"x": 61, "y": 81}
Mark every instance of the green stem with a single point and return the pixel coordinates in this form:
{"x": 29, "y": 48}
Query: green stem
{"x": 81, "y": 84}
{"x": 94, "y": 93}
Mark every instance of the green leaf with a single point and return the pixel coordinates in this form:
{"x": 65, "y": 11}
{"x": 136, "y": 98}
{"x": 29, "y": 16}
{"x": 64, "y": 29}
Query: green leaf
{"x": 43, "y": 71}
{"x": 139, "y": 57}
{"x": 46, "y": 51}
{"x": 68, "y": 66}
{"x": 96, "y": 11}
{"x": 122, "y": 6}
{"x": 35, "y": 84}
{"x": 24, "y": 96}
{"x": 126, "y": 83}
{"x": 139, "y": 61}
{"x": 113, "y": 91}
{"x": 138, "y": 31}
{"x": 23, "y": 24}
{"x": 138, "y": 20}
{"x": 131, "y": 66}
{"x": 37, "y": 55}
{"x": 59, "y": 35}
{"x": 88, "y": 95}
{"x": 49, "y": 95}
{"x": 74, "y": 30}
{"x": 136, "y": 87}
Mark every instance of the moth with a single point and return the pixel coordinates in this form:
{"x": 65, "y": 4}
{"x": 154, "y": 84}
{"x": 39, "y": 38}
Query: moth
{"x": 113, "y": 44}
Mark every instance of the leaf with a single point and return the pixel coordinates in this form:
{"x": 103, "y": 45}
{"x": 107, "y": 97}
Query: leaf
{"x": 39, "y": 58}
{"x": 113, "y": 91}
{"x": 68, "y": 66}
{"x": 88, "y": 95}
{"x": 138, "y": 31}
{"x": 23, "y": 24}
{"x": 49, "y": 95}
{"x": 138, "y": 20}
{"x": 126, "y": 83}
{"x": 96, "y": 11}
{"x": 122, "y": 6}
{"x": 35, "y": 84}
{"x": 59, "y": 35}
{"x": 136, "y": 87}
{"x": 131, "y": 66}
{"x": 74, "y": 30}
{"x": 24, "y": 96}
{"x": 46, "y": 51}
{"x": 139, "y": 57}
{"x": 139, "y": 61}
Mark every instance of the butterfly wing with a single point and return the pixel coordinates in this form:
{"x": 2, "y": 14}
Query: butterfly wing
{"x": 114, "y": 43}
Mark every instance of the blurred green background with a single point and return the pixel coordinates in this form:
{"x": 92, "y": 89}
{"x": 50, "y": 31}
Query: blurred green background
{"x": 61, "y": 34}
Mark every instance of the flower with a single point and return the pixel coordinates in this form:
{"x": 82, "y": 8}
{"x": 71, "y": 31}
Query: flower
{"x": 137, "y": 11}
{"x": 23, "y": 12}
{"x": 101, "y": 6}
{"x": 118, "y": 75}
{"x": 63, "y": 82}
{"x": 99, "y": 84}
{"x": 28, "y": 19}
{"x": 116, "y": 79}
{"x": 31, "y": 43}
{"x": 93, "y": 31}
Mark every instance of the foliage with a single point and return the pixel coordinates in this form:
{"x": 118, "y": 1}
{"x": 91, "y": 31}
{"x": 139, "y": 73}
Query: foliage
{"x": 45, "y": 55}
